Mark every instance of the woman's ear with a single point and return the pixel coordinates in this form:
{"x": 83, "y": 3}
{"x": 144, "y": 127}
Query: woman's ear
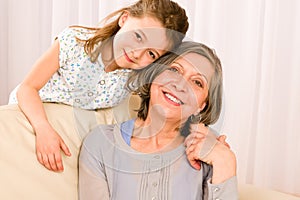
{"x": 200, "y": 109}
{"x": 123, "y": 18}
{"x": 202, "y": 106}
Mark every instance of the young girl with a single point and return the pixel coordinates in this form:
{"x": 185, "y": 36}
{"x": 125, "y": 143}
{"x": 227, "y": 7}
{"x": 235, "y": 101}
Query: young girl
{"x": 88, "y": 67}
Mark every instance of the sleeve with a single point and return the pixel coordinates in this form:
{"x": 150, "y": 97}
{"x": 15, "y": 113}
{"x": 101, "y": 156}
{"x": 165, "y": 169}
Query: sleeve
{"x": 227, "y": 190}
{"x": 13, "y": 96}
{"x": 68, "y": 45}
{"x": 92, "y": 179}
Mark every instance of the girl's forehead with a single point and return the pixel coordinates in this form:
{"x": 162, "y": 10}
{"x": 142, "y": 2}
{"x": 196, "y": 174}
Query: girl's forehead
{"x": 153, "y": 30}
{"x": 145, "y": 22}
{"x": 157, "y": 36}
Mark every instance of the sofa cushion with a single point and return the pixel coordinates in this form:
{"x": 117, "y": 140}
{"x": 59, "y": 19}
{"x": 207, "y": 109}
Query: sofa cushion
{"x": 251, "y": 192}
{"x": 22, "y": 176}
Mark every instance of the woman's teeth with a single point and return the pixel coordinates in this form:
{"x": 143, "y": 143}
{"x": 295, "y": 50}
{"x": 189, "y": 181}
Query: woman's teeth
{"x": 172, "y": 98}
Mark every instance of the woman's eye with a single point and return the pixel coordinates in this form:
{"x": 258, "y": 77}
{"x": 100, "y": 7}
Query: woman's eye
{"x": 173, "y": 69}
{"x": 152, "y": 54}
{"x": 138, "y": 37}
{"x": 198, "y": 83}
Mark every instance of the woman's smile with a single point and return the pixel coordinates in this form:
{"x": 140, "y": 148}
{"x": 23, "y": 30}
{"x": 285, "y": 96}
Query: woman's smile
{"x": 172, "y": 99}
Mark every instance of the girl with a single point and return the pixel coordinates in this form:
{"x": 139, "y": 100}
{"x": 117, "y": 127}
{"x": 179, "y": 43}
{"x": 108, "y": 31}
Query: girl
{"x": 145, "y": 158}
{"x": 88, "y": 67}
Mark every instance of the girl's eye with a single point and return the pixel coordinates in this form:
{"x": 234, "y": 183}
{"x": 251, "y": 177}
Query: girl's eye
{"x": 198, "y": 83}
{"x": 152, "y": 55}
{"x": 138, "y": 37}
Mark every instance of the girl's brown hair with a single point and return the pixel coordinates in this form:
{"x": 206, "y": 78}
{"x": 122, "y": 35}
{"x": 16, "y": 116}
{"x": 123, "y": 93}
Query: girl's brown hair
{"x": 169, "y": 13}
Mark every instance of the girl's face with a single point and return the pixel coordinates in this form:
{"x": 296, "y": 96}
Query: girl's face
{"x": 182, "y": 89}
{"x": 139, "y": 42}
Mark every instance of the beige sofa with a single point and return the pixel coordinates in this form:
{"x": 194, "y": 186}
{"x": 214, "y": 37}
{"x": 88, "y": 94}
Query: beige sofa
{"x": 22, "y": 177}
{"x": 251, "y": 192}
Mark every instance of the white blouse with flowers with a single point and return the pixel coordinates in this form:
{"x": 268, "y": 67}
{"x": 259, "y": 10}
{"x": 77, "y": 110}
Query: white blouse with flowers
{"x": 78, "y": 81}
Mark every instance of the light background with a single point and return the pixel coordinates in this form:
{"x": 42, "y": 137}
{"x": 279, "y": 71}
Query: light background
{"x": 257, "y": 40}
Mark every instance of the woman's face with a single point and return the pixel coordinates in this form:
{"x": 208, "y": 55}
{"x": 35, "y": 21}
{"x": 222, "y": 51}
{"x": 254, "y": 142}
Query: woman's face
{"x": 139, "y": 42}
{"x": 182, "y": 89}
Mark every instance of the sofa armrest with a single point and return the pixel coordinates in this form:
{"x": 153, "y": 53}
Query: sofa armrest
{"x": 251, "y": 192}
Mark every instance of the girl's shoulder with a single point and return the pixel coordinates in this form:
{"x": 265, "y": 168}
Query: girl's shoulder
{"x": 76, "y": 32}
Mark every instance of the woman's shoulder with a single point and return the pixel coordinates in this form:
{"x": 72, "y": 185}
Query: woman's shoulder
{"x": 99, "y": 131}
{"x": 108, "y": 133}
{"x": 98, "y": 138}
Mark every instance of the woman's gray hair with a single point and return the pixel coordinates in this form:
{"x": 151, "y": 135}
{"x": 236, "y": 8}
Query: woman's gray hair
{"x": 140, "y": 81}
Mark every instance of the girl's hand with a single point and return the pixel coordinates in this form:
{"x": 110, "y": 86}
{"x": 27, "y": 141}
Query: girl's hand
{"x": 48, "y": 145}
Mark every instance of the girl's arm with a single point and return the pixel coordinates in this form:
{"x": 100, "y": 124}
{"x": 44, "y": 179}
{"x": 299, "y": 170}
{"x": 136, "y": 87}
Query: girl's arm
{"x": 48, "y": 142}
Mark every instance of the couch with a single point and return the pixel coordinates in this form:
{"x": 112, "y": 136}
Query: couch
{"x": 22, "y": 177}
{"x": 252, "y": 192}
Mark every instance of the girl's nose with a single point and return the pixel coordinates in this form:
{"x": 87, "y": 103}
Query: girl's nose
{"x": 137, "y": 53}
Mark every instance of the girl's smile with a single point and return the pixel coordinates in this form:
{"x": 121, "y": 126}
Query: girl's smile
{"x": 127, "y": 57}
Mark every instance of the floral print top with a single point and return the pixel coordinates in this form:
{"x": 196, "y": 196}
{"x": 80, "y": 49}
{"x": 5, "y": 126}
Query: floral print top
{"x": 78, "y": 81}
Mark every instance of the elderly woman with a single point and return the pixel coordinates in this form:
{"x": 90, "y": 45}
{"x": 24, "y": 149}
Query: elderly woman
{"x": 150, "y": 157}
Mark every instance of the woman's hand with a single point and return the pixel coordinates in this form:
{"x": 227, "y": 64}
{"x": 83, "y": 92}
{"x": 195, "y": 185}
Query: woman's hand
{"x": 203, "y": 145}
{"x": 48, "y": 145}
{"x": 199, "y": 143}
{"x": 223, "y": 161}
{"x": 197, "y": 135}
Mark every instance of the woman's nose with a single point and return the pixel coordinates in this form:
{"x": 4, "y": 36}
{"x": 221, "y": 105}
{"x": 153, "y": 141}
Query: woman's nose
{"x": 180, "y": 84}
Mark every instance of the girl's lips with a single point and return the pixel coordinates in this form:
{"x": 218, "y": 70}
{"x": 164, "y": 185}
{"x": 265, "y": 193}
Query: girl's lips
{"x": 127, "y": 57}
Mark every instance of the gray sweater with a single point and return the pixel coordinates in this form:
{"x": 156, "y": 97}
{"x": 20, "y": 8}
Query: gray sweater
{"x": 110, "y": 169}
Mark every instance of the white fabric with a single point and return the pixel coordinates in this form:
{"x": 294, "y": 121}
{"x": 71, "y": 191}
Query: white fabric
{"x": 257, "y": 40}
{"x": 78, "y": 81}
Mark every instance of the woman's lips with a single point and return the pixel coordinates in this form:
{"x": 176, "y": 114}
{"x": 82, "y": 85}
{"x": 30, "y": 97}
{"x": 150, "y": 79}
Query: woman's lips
{"x": 172, "y": 99}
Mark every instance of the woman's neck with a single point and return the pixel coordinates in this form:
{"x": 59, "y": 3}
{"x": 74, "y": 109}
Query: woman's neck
{"x": 161, "y": 135}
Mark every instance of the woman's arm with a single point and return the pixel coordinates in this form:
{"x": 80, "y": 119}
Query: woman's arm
{"x": 215, "y": 152}
{"x": 92, "y": 178}
{"x": 226, "y": 190}
{"x": 223, "y": 161}
{"x": 202, "y": 144}
{"x": 48, "y": 142}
